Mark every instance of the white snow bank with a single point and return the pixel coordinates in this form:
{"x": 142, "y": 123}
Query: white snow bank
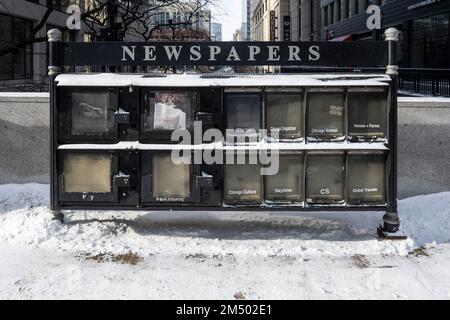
{"x": 206, "y": 255}
{"x": 25, "y": 219}
{"x": 24, "y": 95}
{"x": 426, "y": 218}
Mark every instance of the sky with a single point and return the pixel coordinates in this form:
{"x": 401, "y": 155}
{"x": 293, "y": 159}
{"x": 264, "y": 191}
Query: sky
{"x": 228, "y": 13}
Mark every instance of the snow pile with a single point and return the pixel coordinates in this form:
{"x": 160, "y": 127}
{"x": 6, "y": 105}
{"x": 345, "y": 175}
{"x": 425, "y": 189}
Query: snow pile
{"x": 426, "y": 219}
{"x": 25, "y": 219}
{"x": 206, "y": 255}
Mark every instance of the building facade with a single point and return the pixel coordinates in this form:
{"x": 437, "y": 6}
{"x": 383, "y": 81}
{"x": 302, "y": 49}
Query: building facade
{"x": 424, "y": 27}
{"x": 305, "y": 20}
{"x": 247, "y": 8}
{"x": 28, "y": 65}
{"x": 294, "y": 20}
{"x": 216, "y": 31}
{"x": 237, "y": 35}
{"x": 268, "y": 20}
{"x": 17, "y": 20}
{"x": 181, "y": 23}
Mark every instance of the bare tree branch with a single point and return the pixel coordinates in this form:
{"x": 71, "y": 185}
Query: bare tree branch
{"x": 139, "y": 17}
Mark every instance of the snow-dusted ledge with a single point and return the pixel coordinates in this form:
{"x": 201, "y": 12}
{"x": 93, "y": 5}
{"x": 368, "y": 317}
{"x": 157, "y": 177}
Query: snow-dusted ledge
{"x": 27, "y": 97}
{"x": 135, "y": 145}
{"x": 423, "y": 102}
{"x": 195, "y": 80}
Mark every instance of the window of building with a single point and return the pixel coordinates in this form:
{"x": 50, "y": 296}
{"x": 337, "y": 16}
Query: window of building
{"x": 338, "y": 11}
{"x": 429, "y": 42}
{"x": 299, "y": 24}
{"x": 344, "y": 6}
{"x": 331, "y": 13}
{"x": 18, "y": 63}
{"x": 325, "y": 16}
{"x": 349, "y": 8}
{"x": 357, "y": 7}
{"x": 61, "y": 5}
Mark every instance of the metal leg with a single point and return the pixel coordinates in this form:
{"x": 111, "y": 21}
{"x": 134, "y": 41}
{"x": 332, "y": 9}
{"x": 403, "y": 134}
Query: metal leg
{"x": 391, "y": 222}
{"x": 58, "y": 215}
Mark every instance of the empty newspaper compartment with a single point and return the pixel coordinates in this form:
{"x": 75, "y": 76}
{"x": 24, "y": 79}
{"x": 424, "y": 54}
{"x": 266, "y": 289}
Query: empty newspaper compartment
{"x": 325, "y": 114}
{"x": 366, "y": 177}
{"x": 325, "y": 177}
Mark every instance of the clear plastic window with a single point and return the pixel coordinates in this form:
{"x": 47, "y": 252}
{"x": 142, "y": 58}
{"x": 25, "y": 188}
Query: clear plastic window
{"x": 367, "y": 114}
{"x": 366, "y": 179}
{"x": 287, "y": 184}
{"x": 170, "y": 181}
{"x": 87, "y": 173}
{"x": 325, "y": 115}
{"x": 91, "y": 112}
{"x": 284, "y": 115}
{"x": 242, "y": 183}
{"x": 243, "y": 111}
{"x": 325, "y": 178}
{"x": 168, "y": 110}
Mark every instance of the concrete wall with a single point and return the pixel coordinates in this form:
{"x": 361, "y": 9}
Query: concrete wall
{"x": 424, "y": 147}
{"x": 24, "y": 137}
{"x": 424, "y": 142}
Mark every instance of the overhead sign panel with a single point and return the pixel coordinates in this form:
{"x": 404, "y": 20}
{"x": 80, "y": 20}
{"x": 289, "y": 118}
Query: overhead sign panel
{"x": 352, "y": 54}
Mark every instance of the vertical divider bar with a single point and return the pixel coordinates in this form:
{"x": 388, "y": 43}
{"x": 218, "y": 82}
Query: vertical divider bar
{"x": 345, "y": 115}
{"x": 305, "y": 156}
{"x": 391, "y": 219}
{"x": 303, "y": 115}
{"x": 54, "y": 39}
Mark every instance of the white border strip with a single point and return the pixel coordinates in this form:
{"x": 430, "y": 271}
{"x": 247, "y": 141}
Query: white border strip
{"x": 135, "y": 145}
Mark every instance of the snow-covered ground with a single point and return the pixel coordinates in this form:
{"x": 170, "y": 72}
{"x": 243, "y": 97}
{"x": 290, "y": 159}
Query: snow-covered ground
{"x": 206, "y": 255}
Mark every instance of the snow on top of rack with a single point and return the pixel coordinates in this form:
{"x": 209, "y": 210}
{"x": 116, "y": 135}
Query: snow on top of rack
{"x": 326, "y": 146}
{"x": 234, "y": 80}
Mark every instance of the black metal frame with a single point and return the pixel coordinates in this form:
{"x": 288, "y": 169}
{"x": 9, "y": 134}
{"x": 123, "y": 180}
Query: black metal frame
{"x": 424, "y": 80}
{"x": 62, "y": 54}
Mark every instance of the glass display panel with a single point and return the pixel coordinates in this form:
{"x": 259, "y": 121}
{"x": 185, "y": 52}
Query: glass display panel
{"x": 367, "y": 115}
{"x": 242, "y": 183}
{"x": 287, "y": 184}
{"x": 170, "y": 181}
{"x": 325, "y": 179}
{"x": 366, "y": 179}
{"x": 87, "y": 173}
{"x": 168, "y": 110}
{"x": 243, "y": 111}
{"x": 284, "y": 114}
{"x": 325, "y": 116}
{"x": 91, "y": 112}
